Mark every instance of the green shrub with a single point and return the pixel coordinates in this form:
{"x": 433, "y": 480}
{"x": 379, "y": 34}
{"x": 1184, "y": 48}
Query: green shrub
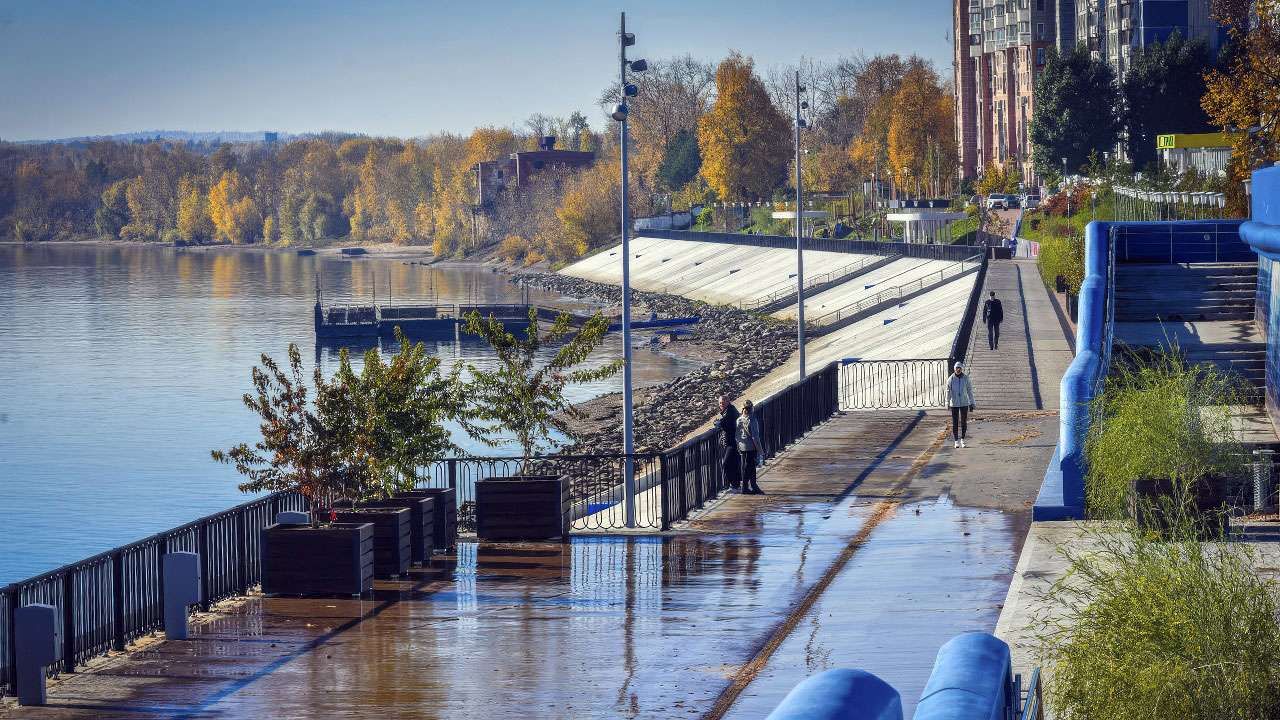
{"x": 1062, "y": 256}
{"x": 1157, "y": 418}
{"x": 1155, "y": 630}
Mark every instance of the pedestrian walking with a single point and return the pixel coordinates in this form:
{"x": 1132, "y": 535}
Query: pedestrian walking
{"x": 750, "y": 448}
{"x": 961, "y": 399}
{"x": 993, "y": 315}
{"x": 730, "y": 463}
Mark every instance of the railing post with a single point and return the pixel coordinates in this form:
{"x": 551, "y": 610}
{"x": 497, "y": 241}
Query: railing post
{"x": 242, "y": 553}
{"x": 205, "y": 564}
{"x": 117, "y": 598}
{"x": 453, "y": 473}
{"x": 663, "y": 479}
{"x": 11, "y": 623}
{"x": 69, "y": 621}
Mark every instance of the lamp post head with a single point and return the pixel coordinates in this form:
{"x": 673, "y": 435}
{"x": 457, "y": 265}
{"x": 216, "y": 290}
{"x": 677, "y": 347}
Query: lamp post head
{"x": 620, "y": 112}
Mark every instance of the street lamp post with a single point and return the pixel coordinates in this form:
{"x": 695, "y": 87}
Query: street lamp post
{"x": 1065, "y": 188}
{"x": 799, "y": 230}
{"x": 620, "y": 113}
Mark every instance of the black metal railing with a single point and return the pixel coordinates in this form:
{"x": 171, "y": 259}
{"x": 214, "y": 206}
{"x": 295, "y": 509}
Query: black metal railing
{"x": 885, "y": 384}
{"x": 960, "y": 345}
{"x": 668, "y": 485}
{"x": 105, "y": 601}
{"x": 1203, "y": 241}
{"x": 954, "y": 253}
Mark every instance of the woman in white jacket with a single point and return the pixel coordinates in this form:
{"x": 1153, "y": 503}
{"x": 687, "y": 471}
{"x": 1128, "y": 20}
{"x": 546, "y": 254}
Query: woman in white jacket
{"x": 961, "y": 399}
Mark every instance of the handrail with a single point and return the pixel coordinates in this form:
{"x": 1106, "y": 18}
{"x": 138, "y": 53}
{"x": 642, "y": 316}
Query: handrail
{"x": 883, "y": 384}
{"x": 957, "y": 268}
{"x": 787, "y": 288}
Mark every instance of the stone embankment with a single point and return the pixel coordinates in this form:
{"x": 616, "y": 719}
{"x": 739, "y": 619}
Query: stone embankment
{"x": 738, "y": 348}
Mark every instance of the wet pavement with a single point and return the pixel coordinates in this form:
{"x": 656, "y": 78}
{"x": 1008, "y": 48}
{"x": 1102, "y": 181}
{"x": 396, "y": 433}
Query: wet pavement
{"x": 859, "y": 556}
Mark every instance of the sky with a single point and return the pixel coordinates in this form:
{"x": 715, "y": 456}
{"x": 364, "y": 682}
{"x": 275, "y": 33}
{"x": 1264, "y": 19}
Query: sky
{"x": 70, "y": 68}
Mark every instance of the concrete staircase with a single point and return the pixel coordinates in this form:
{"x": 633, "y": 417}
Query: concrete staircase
{"x": 1189, "y": 292}
{"x": 1206, "y": 308}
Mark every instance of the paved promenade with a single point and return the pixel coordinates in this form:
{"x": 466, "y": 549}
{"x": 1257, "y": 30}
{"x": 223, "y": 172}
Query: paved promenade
{"x": 1024, "y": 373}
{"x": 875, "y": 545}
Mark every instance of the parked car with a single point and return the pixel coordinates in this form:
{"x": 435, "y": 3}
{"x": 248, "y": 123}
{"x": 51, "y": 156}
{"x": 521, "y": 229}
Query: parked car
{"x": 1031, "y": 202}
{"x": 1013, "y": 201}
{"x": 996, "y": 201}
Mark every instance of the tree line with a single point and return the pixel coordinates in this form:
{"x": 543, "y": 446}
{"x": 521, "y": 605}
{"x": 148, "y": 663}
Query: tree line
{"x": 701, "y": 132}
{"x": 1082, "y": 108}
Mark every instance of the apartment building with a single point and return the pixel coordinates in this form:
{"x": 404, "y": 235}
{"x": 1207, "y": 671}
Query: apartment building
{"x": 1000, "y": 49}
{"x": 1114, "y": 29}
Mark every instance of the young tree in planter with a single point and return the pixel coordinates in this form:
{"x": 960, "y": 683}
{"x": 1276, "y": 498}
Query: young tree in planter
{"x": 523, "y": 396}
{"x": 389, "y": 419}
{"x": 295, "y": 452}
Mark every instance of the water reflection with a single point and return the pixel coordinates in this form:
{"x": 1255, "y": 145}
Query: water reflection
{"x": 122, "y": 366}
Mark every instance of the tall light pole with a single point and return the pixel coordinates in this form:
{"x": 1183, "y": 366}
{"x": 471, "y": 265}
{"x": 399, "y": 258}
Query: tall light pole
{"x": 799, "y": 229}
{"x": 620, "y": 112}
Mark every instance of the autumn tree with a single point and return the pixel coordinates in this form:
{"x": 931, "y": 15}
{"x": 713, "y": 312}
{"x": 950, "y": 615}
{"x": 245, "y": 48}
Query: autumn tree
{"x": 1245, "y": 92}
{"x": 234, "y": 213}
{"x": 921, "y": 139}
{"x": 113, "y": 213}
{"x": 743, "y": 138}
{"x": 194, "y": 223}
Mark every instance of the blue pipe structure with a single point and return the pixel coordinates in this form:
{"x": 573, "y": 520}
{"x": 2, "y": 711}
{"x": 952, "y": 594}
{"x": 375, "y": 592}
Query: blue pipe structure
{"x": 840, "y": 694}
{"x": 972, "y": 680}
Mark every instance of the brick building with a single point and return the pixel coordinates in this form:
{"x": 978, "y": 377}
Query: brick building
{"x": 518, "y": 169}
{"x": 1000, "y": 49}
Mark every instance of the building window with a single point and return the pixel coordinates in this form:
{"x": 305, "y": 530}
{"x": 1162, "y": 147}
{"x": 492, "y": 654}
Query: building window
{"x": 1025, "y": 26}
{"x": 1039, "y": 31}
{"x": 975, "y": 20}
{"x": 1039, "y": 56}
{"x": 1040, "y": 4}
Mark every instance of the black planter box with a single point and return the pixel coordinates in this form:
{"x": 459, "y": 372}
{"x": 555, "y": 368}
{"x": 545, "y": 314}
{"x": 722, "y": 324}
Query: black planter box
{"x": 1150, "y": 502}
{"x": 392, "y": 537}
{"x": 445, "y": 501}
{"x": 421, "y": 522}
{"x": 335, "y": 559}
{"x": 522, "y": 507}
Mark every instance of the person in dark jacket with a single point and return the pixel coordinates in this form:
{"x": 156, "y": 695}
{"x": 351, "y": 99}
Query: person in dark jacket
{"x": 750, "y": 447}
{"x": 993, "y": 315}
{"x": 730, "y": 463}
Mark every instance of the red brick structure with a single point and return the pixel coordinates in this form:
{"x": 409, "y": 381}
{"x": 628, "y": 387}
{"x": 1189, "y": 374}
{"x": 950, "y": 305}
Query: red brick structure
{"x": 495, "y": 176}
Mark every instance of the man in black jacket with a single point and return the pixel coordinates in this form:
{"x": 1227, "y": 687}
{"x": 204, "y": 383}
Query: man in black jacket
{"x": 993, "y": 315}
{"x": 730, "y": 463}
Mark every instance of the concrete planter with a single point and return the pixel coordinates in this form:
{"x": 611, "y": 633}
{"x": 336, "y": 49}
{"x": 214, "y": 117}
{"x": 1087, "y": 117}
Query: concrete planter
{"x": 522, "y": 507}
{"x": 335, "y": 559}
{"x": 392, "y": 537}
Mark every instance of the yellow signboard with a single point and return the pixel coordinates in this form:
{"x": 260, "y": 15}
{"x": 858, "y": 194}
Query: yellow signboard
{"x": 1196, "y": 140}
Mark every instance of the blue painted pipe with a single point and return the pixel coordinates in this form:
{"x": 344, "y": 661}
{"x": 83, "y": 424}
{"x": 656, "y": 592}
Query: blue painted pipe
{"x": 970, "y": 681}
{"x": 841, "y": 694}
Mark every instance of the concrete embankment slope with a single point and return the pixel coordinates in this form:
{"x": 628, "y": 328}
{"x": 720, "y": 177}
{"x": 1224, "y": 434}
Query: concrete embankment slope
{"x": 717, "y": 273}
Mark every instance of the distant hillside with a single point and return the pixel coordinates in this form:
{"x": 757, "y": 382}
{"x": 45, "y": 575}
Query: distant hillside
{"x": 223, "y": 136}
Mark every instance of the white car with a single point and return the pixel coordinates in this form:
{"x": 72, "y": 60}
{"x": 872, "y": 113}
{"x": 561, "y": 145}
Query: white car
{"x": 996, "y": 201}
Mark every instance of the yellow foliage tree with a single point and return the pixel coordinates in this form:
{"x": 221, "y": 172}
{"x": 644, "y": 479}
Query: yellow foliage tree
{"x": 743, "y": 138}
{"x": 194, "y": 224}
{"x": 235, "y": 215}
{"x": 270, "y": 230}
{"x": 921, "y": 140}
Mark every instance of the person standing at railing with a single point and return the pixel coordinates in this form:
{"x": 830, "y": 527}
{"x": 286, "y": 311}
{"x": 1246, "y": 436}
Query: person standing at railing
{"x": 961, "y": 400}
{"x": 992, "y": 316}
{"x": 750, "y": 448}
{"x": 730, "y": 463}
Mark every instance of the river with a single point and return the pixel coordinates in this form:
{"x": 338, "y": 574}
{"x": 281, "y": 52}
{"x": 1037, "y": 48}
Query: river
{"x": 121, "y": 367}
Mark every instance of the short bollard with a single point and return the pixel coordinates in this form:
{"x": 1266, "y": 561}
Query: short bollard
{"x": 971, "y": 680}
{"x": 181, "y": 590}
{"x": 36, "y": 642}
{"x": 292, "y": 517}
{"x": 840, "y": 694}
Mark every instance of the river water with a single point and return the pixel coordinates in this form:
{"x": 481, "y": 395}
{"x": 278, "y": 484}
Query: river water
{"x": 121, "y": 367}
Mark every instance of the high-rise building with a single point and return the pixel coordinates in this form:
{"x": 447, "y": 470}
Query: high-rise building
{"x": 1000, "y": 50}
{"x": 1114, "y": 29}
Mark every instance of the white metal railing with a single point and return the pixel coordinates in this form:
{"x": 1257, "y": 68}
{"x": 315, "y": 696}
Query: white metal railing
{"x": 959, "y": 268}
